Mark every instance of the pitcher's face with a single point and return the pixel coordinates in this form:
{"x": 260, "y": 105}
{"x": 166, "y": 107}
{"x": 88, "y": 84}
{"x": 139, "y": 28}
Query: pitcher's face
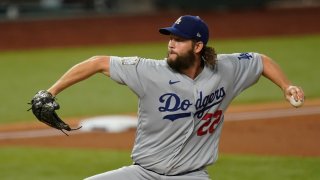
{"x": 180, "y": 53}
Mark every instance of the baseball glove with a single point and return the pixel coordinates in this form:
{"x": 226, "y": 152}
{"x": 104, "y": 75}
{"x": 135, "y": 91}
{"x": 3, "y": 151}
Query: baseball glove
{"x": 44, "y": 106}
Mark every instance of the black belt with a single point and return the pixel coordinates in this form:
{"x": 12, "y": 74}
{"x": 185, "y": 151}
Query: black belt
{"x": 179, "y": 174}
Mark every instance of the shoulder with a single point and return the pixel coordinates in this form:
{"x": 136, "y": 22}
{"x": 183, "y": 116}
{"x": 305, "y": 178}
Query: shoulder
{"x": 238, "y": 56}
{"x": 152, "y": 62}
{"x": 135, "y": 60}
{"x": 153, "y": 66}
{"x": 229, "y": 62}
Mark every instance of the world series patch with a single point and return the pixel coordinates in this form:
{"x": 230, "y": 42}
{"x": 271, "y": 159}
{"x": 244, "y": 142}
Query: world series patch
{"x": 130, "y": 61}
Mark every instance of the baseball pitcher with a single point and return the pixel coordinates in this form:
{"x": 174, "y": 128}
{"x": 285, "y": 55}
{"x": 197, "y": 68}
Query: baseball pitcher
{"x": 182, "y": 100}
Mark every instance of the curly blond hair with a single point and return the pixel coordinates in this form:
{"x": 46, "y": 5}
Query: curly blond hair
{"x": 209, "y": 56}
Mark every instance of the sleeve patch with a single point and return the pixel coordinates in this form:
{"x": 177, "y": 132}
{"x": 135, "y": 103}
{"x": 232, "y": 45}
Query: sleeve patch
{"x": 129, "y": 60}
{"x": 245, "y": 56}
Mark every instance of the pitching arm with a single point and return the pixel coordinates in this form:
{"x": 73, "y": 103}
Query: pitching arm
{"x": 272, "y": 71}
{"x": 81, "y": 71}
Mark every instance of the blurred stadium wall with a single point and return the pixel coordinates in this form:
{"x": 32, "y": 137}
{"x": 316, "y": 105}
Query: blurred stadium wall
{"x": 22, "y": 9}
{"x": 37, "y": 23}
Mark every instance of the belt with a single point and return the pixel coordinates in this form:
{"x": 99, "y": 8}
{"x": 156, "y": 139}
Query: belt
{"x": 179, "y": 174}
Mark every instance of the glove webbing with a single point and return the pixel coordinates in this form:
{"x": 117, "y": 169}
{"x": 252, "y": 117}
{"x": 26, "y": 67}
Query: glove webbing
{"x": 66, "y": 128}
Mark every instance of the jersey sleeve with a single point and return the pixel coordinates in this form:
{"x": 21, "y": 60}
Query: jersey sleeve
{"x": 123, "y": 70}
{"x": 247, "y": 69}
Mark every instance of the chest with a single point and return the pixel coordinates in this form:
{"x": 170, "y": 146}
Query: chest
{"x": 177, "y": 94}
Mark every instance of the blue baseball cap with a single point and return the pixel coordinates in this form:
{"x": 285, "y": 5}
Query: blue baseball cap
{"x": 189, "y": 27}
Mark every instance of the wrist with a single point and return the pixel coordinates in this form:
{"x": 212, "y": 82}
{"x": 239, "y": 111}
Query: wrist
{"x": 52, "y": 92}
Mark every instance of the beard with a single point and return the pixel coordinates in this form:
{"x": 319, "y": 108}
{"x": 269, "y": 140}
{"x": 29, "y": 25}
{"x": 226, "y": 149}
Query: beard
{"x": 182, "y": 62}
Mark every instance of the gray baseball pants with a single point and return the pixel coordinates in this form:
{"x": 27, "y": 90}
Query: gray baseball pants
{"x": 136, "y": 172}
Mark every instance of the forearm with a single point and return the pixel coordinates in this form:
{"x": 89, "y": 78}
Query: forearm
{"x": 81, "y": 72}
{"x": 273, "y": 72}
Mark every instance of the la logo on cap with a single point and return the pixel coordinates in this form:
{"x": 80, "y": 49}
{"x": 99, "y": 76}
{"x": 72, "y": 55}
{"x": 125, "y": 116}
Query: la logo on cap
{"x": 188, "y": 27}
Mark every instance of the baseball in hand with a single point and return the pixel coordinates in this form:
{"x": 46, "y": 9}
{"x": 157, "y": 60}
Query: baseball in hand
{"x": 295, "y": 103}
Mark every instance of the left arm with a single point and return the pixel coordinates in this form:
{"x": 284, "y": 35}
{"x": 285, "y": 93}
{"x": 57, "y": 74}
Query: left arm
{"x": 273, "y": 72}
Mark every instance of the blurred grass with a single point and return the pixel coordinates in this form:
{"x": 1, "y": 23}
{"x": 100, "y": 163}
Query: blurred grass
{"x": 23, "y": 73}
{"x": 44, "y": 163}
{"x": 20, "y": 163}
{"x": 252, "y": 167}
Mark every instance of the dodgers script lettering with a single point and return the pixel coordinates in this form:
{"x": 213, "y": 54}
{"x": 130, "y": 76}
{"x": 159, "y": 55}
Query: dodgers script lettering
{"x": 179, "y": 108}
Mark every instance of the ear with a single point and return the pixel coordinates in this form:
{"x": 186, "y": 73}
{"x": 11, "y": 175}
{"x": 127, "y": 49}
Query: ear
{"x": 198, "y": 47}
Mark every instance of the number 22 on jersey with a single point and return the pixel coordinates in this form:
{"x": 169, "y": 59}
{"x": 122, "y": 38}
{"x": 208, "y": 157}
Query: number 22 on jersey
{"x": 211, "y": 122}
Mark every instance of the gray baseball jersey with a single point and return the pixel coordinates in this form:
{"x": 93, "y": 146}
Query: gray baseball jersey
{"x": 180, "y": 119}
